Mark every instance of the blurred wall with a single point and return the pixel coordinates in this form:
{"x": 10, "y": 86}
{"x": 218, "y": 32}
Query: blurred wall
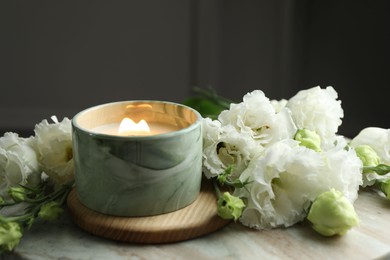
{"x": 348, "y": 46}
{"x": 59, "y": 57}
{"x": 284, "y": 46}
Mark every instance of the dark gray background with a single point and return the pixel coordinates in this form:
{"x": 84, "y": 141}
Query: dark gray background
{"x": 60, "y": 57}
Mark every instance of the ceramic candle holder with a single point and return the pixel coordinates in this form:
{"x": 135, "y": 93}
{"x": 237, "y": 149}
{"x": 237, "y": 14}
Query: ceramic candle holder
{"x": 137, "y": 175}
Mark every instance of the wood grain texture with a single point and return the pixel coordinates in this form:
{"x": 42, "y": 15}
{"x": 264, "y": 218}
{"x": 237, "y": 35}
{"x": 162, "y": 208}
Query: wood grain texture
{"x": 197, "y": 219}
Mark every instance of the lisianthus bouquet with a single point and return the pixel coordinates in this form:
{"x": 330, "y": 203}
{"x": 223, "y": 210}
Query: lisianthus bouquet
{"x": 285, "y": 161}
{"x": 36, "y": 175}
{"x": 273, "y": 163}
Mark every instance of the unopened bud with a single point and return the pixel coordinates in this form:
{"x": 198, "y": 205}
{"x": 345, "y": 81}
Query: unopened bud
{"x": 230, "y": 207}
{"x": 367, "y": 155}
{"x": 332, "y": 214}
{"x": 309, "y": 139}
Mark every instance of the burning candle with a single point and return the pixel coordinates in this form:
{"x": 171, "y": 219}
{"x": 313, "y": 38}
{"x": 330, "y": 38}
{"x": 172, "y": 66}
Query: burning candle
{"x": 137, "y": 158}
{"x": 127, "y": 127}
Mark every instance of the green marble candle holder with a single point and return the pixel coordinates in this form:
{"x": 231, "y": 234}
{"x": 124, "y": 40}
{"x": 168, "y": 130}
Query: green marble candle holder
{"x": 137, "y": 175}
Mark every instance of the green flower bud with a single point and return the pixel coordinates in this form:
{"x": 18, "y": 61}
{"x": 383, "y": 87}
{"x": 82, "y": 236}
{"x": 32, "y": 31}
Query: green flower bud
{"x": 309, "y": 139}
{"x": 229, "y": 206}
{"x": 18, "y": 194}
{"x": 10, "y": 235}
{"x": 367, "y": 155}
{"x": 332, "y": 214}
{"x": 222, "y": 178}
{"x": 50, "y": 211}
{"x": 385, "y": 188}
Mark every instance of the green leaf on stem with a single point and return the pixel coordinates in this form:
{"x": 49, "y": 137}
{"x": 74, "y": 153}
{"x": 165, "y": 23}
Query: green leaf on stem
{"x": 207, "y": 102}
{"x": 380, "y": 169}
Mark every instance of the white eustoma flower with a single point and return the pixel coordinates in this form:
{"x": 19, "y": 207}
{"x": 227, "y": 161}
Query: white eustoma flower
{"x": 54, "y": 148}
{"x": 318, "y": 110}
{"x": 379, "y": 140}
{"x": 284, "y": 182}
{"x": 252, "y": 116}
{"x": 18, "y": 163}
{"x": 212, "y": 165}
{"x": 287, "y": 177}
{"x": 343, "y": 169}
{"x": 282, "y": 127}
{"x": 212, "y": 130}
{"x": 224, "y": 146}
{"x": 256, "y": 116}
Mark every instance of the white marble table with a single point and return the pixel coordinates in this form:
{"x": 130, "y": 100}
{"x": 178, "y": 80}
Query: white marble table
{"x": 62, "y": 239}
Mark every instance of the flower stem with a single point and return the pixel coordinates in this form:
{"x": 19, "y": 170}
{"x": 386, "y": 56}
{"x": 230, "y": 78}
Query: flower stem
{"x": 54, "y": 195}
{"x": 380, "y": 169}
{"x": 216, "y": 188}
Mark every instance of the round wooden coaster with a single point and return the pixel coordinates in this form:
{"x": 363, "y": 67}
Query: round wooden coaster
{"x": 197, "y": 219}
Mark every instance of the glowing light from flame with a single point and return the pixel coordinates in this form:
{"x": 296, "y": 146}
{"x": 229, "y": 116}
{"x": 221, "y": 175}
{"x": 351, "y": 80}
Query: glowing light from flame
{"x": 129, "y": 127}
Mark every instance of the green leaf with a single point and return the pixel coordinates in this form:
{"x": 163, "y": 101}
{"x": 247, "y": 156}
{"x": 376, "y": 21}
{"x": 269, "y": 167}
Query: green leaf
{"x": 207, "y": 102}
{"x": 380, "y": 169}
{"x": 205, "y": 107}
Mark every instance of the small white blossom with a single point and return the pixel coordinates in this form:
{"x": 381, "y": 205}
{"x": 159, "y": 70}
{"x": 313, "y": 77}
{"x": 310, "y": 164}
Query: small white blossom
{"x": 379, "y": 140}
{"x": 343, "y": 169}
{"x": 282, "y": 127}
{"x": 256, "y": 117}
{"x": 318, "y": 110}
{"x": 284, "y": 182}
{"x": 212, "y": 131}
{"x": 54, "y": 148}
{"x": 18, "y": 163}
{"x": 224, "y": 147}
{"x": 287, "y": 177}
{"x": 212, "y": 165}
{"x": 252, "y": 116}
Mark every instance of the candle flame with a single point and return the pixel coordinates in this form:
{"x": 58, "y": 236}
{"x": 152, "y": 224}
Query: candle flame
{"x": 129, "y": 127}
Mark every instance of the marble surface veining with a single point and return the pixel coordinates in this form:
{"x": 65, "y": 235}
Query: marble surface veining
{"x": 62, "y": 239}
{"x": 131, "y": 177}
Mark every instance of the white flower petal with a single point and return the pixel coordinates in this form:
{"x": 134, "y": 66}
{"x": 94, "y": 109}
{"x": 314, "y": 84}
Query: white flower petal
{"x": 318, "y": 110}
{"x": 379, "y": 140}
{"x": 18, "y": 163}
{"x": 228, "y": 147}
{"x": 376, "y": 137}
{"x": 284, "y": 183}
{"x": 54, "y": 147}
{"x": 288, "y": 177}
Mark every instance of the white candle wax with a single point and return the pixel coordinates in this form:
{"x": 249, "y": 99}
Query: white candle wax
{"x": 155, "y": 129}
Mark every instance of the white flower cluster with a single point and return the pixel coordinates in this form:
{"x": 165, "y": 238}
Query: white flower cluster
{"x": 256, "y": 137}
{"x": 25, "y": 161}
{"x": 379, "y": 140}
